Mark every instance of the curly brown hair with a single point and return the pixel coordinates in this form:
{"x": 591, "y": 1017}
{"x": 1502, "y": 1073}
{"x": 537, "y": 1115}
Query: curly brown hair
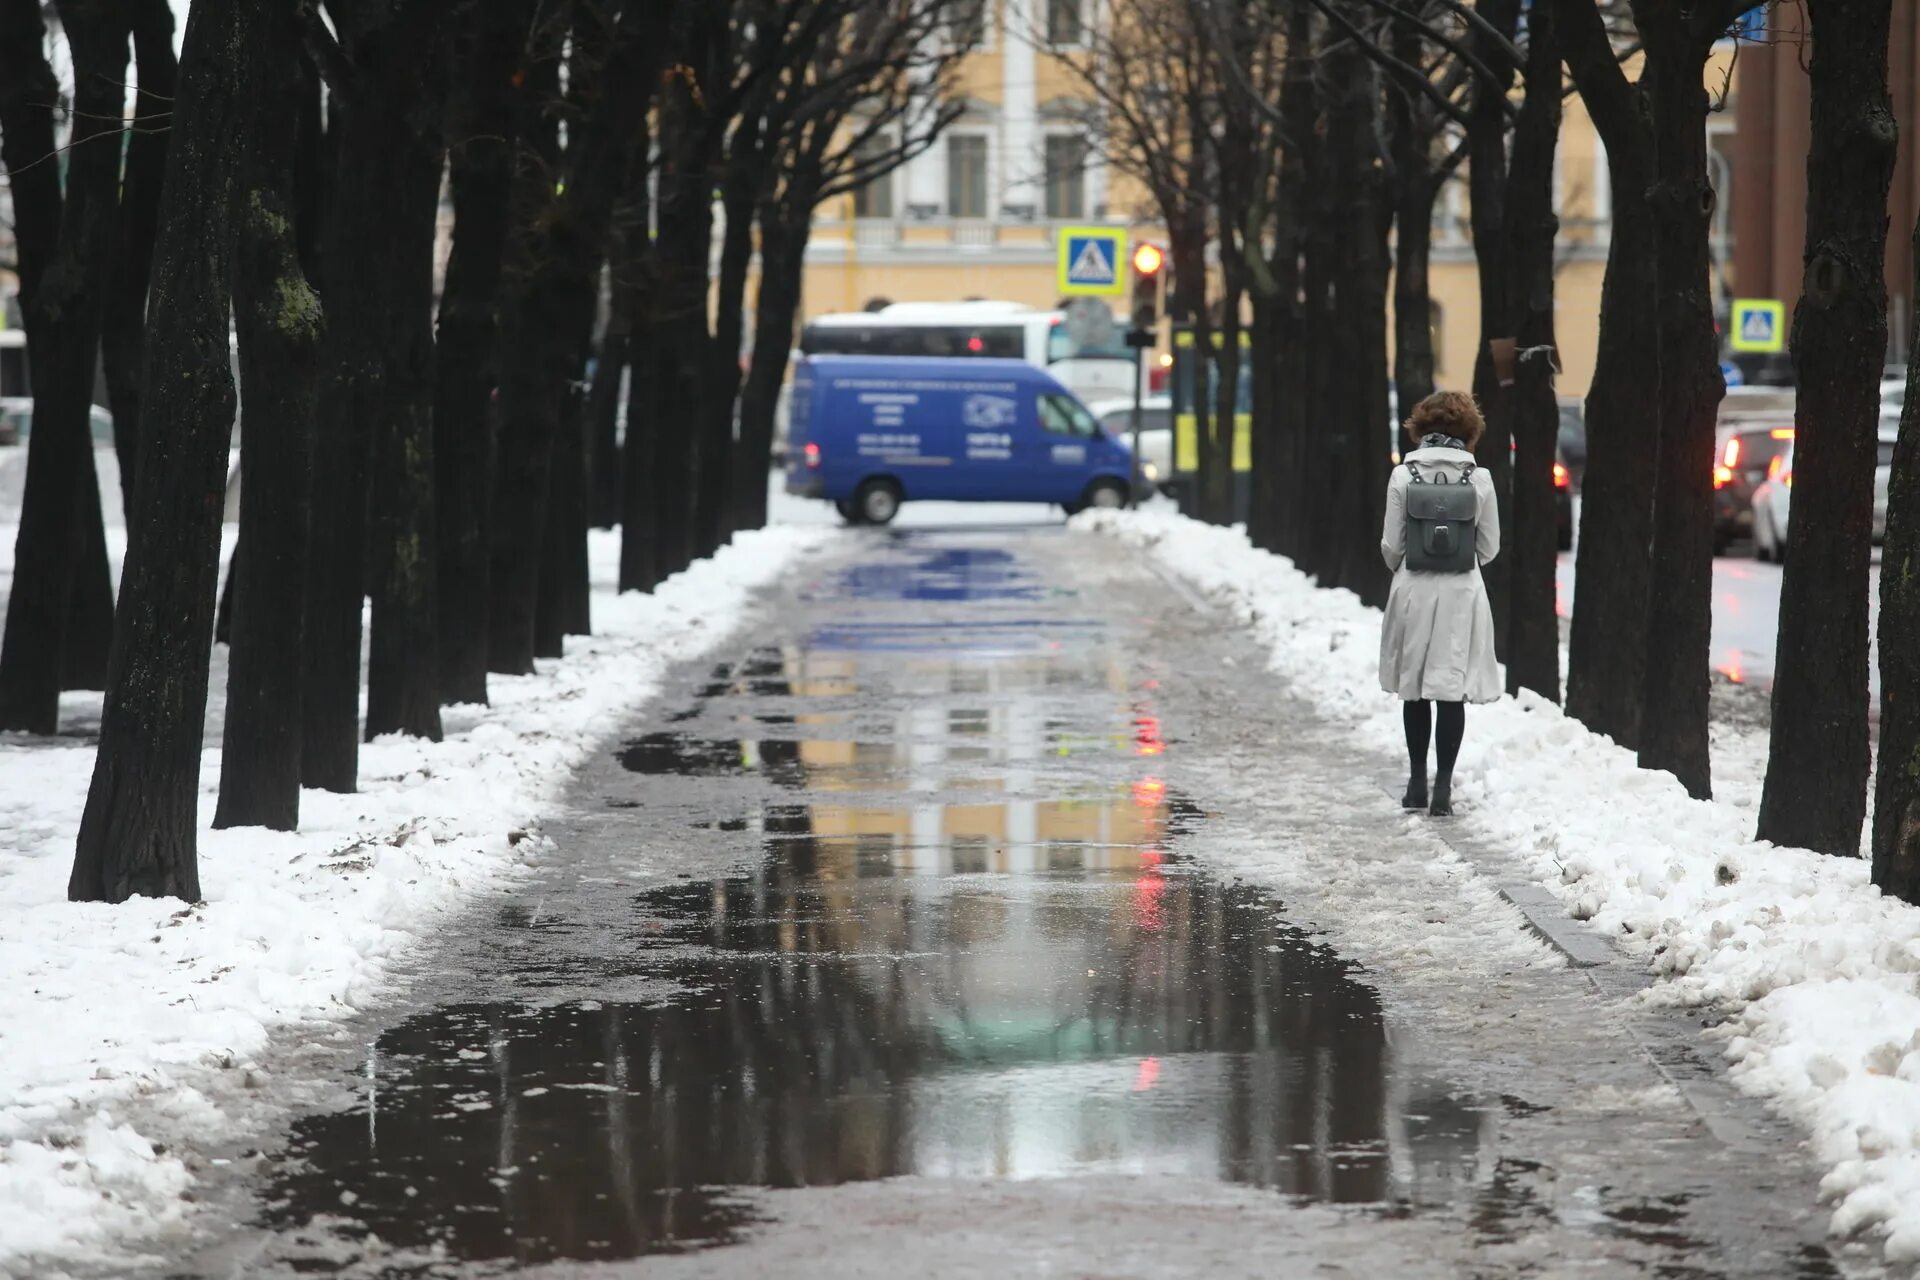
{"x": 1447, "y": 413}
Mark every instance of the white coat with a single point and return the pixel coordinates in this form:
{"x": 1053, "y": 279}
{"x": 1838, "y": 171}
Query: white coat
{"x": 1436, "y": 641}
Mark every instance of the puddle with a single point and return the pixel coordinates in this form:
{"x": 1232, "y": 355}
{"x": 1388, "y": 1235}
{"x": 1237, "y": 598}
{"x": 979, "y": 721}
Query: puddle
{"x": 961, "y": 942}
{"x": 862, "y": 1006}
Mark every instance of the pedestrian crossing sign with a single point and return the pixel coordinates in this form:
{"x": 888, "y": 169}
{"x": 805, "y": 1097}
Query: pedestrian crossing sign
{"x": 1090, "y": 261}
{"x": 1759, "y": 324}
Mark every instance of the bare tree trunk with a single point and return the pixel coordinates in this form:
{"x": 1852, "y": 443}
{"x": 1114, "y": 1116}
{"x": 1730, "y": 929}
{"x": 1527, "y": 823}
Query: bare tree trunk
{"x": 639, "y": 459}
{"x": 123, "y": 331}
{"x": 1487, "y": 185}
{"x": 279, "y": 323}
{"x": 739, "y": 196}
{"x": 1533, "y": 651}
{"x": 481, "y": 131}
{"x": 783, "y": 250}
{"x": 605, "y": 403}
{"x": 1679, "y": 617}
{"x": 1817, "y": 760}
{"x": 59, "y": 610}
{"x": 1416, "y": 185}
{"x": 405, "y": 159}
{"x": 1896, "y": 796}
{"x": 137, "y": 831}
{"x": 1607, "y": 646}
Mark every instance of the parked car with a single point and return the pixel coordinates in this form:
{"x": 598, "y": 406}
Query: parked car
{"x": 1743, "y": 452}
{"x": 1573, "y": 439}
{"x": 872, "y": 432}
{"x": 1156, "y": 436}
{"x": 1771, "y": 501}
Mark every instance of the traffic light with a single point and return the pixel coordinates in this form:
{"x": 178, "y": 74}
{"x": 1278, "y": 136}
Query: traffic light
{"x": 1148, "y": 260}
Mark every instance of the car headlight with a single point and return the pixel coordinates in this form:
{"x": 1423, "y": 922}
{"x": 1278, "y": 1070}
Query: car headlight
{"x": 1150, "y": 471}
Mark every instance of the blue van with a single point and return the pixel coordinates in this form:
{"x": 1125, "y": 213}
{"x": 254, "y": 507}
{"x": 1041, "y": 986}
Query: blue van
{"x": 868, "y": 433}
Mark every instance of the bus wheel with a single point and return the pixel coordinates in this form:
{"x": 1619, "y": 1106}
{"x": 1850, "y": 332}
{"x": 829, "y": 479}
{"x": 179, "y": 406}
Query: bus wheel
{"x": 877, "y": 502}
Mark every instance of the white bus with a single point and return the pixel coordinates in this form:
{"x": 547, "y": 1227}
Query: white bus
{"x": 1091, "y": 360}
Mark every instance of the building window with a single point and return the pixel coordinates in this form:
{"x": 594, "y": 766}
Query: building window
{"x": 1066, "y": 24}
{"x": 874, "y": 199}
{"x": 967, "y": 23}
{"x": 1066, "y": 176}
{"x": 967, "y": 175}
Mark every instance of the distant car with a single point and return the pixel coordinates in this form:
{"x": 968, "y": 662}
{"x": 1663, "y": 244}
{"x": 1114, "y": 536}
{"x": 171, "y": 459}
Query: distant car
{"x": 1573, "y": 439}
{"x": 1743, "y": 452}
{"x": 1772, "y": 499}
{"x": 1156, "y": 436}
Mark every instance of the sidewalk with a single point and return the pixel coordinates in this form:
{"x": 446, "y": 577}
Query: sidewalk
{"x": 1809, "y": 966}
{"x": 170, "y": 1004}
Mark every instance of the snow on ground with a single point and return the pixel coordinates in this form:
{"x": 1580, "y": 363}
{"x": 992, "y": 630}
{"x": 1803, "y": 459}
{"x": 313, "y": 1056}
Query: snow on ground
{"x": 164, "y": 1002}
{"x": 1813, "y": 966}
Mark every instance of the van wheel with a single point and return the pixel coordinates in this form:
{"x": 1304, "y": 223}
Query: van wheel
{"x": 846, "y": 510}
{"x": 877, "y": 502}
{"x": 1104, "y": 495}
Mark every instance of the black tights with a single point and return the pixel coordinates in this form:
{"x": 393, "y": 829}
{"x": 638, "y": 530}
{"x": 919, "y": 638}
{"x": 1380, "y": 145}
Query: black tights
{"x": 1419, "y": 721}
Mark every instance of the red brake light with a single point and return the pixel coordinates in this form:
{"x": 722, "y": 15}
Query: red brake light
{"x": 1158, "y": 377}
{"x": 976, "y": 345}
{"x": 1560, "y": 477}
{"x": 813, "y": 456}
{"x": 1722, "y": 477}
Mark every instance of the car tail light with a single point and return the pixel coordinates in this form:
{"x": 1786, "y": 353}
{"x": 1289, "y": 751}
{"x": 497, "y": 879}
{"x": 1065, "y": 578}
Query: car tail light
{"x": 1722, "y": 477}
{"x": 1157, "y": 378}
{"x": 1730, "y": 457}
{"x": 1560, "y": 477}
{"x": 1773, "y": 468}
{"x": 813, "y": 456}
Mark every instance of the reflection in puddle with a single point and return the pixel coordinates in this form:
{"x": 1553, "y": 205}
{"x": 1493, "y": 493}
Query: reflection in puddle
{"x": 846, "y": 1020}
{"x": 963, "y": 945}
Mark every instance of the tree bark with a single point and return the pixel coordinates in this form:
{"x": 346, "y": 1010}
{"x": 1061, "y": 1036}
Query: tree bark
{"x": 1607, "y": 645}
{"x": 639, "y": 460}
{"x": 481, "y": 124}
{"x": 1358, "y": 434}
{"x": 558, "y": 246}
{"x": 1816, "y": 789}
{"x": 1679, "y": 617}
{"x": 60, "y": 608}
{"x": 1533, "y": 653}
{"x": 123, "y": 332}
{"x": 278, "y": 320}
{"x": 1487, "y": 188}
{"x": 403, "y": 661}
{"x": 1896, "y": 796}
{"x": 137, "y": 831}
{"x": 783, "y": 251}
{"x": 740, "y": 194}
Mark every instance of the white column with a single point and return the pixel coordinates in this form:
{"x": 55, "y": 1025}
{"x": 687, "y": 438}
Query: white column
{"x": 1020, "y": 155}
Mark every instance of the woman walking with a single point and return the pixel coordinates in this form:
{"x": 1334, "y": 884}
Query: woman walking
{"x": 1436, "y": 642}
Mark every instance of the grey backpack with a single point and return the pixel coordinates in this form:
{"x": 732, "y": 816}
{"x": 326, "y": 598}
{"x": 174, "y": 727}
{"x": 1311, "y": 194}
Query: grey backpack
{"x": 1440, "y": 518}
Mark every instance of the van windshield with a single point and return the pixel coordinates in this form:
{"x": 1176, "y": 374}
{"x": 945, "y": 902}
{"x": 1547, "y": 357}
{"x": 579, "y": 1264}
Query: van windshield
{"x": 880, "y": 339}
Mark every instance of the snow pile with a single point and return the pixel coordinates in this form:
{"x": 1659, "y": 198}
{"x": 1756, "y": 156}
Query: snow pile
{"x": 1815, "y": 968}
{"x": 103, "y": 1004}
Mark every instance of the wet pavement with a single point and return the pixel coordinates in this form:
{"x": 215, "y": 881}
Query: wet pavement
{"x": 911, "y": 893}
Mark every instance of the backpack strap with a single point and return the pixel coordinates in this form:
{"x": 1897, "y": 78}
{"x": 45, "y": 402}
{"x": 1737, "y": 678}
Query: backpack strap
{"x": 1413, "y": 473}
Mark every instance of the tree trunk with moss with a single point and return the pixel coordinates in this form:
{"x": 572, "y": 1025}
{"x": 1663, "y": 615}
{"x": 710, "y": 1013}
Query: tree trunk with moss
{"x": 137, "y": 832}
{"x": 279, "y": 324}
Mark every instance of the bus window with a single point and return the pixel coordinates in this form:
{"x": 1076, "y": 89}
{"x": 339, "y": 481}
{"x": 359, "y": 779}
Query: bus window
{"x": 879, "y": 339}
{"x": 1061, "y": 345}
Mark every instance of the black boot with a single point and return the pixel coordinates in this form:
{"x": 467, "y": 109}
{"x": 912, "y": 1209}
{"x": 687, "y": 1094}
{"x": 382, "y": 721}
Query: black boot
{"x": 1416, "y": 797}
{"x": 1442, "y": 806}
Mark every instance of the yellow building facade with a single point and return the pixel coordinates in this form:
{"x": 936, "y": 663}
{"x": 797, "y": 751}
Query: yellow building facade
{"x": 977, "y": 215}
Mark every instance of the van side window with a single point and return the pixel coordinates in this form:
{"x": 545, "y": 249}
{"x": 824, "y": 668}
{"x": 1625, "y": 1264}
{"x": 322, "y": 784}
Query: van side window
{"x": 1064, "y": 416}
